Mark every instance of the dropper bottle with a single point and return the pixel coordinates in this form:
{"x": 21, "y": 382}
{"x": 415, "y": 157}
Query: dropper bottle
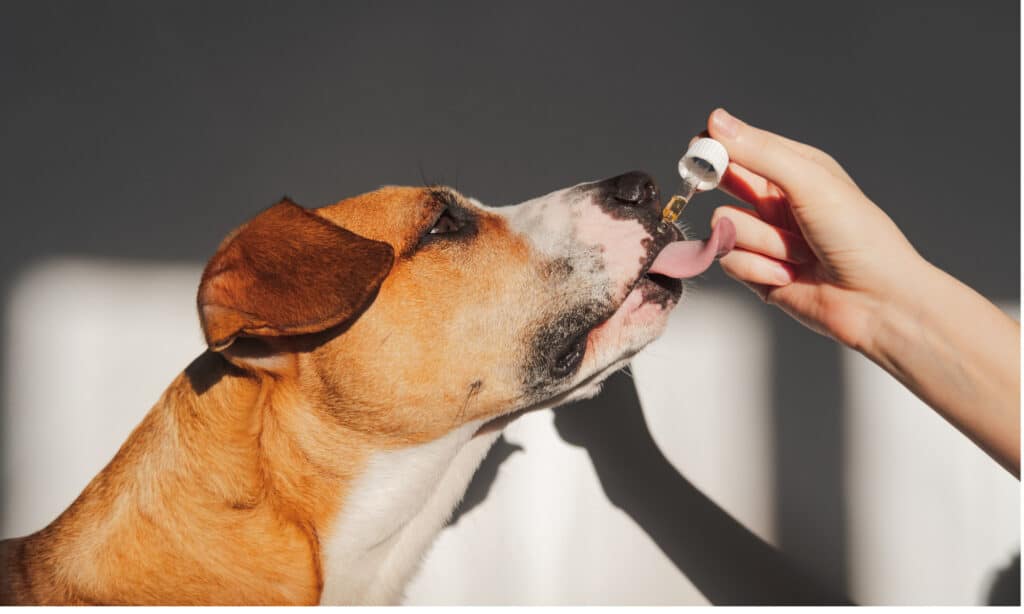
{"x": 701, "y": 168}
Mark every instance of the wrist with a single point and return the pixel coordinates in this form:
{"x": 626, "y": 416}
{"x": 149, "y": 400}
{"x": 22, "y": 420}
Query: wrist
{"x": 958, "y": 353}
{"x": 901, "y": 308}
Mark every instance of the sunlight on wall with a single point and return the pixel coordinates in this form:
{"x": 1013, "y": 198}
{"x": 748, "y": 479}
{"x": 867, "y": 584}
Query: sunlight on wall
{"x": 930, "y": 515}
{"x": 91, "y": 347}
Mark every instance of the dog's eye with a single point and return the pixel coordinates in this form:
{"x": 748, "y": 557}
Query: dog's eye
{"x": 445, "y": 224}
{"x": 453, "y": 223}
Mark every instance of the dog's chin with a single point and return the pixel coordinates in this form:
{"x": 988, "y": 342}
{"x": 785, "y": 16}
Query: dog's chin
{"x": 638, "y": 321}
{"x": 610, "y": 345}
{"x": 600, "y": 362}
{"x": 586, "y": 388}
{"x": 591, "y": 386}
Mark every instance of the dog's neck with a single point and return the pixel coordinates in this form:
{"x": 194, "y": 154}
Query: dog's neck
{"x": 215, "y": 497}
{"x": 394, "y": 511}
{"x": 231, "y": 490}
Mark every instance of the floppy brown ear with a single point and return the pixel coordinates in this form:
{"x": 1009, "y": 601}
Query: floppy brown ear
{"x": 288, "y": 272}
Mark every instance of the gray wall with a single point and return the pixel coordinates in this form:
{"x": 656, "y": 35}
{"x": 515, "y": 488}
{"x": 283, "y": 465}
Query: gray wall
{"x": 148, "y": 130}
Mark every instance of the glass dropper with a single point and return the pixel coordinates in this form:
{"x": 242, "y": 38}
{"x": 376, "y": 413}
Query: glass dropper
{"x": 700, "y": 169}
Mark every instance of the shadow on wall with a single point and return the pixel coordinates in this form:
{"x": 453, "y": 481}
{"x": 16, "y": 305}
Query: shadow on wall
{"x": 1005, "y": 588}
{"x": 728, "y": 563}
{"x": 484, "y": 477}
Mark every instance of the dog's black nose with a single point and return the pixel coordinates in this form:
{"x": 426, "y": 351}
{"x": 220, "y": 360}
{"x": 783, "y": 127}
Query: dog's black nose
{"x": 634, "y": 188}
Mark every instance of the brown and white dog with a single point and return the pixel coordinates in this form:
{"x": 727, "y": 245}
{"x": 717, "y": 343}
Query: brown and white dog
{"x": 362, "y": 359}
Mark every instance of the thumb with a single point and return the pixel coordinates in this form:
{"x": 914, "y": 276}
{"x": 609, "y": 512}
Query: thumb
{"x": 766, "y": 154}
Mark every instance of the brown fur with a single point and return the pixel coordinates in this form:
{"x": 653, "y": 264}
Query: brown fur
{"x": 221, "y": 494}
{"x": 207, "y": 502}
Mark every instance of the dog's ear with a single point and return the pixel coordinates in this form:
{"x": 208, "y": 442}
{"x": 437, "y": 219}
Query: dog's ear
{"x": 288, "y": 272}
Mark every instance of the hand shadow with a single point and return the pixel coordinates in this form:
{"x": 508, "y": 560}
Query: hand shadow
{"x": 728, "y": 563}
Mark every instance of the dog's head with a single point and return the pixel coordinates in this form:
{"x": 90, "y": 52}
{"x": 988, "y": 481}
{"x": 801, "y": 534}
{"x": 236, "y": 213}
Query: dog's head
{"x": 407, "y": 312}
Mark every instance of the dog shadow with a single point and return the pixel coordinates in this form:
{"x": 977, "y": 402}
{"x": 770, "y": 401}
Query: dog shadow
{"x": 728, "y": 563}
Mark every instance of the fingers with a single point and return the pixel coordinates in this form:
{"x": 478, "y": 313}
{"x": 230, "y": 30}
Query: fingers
{"x": 751, "y": 268}
{"x": 754, "y": 190}
{"x": 807, "y": 151}
{"x": 755, "y": 235}
{"x": 757, "y": 191}
{"x": 817, "y": 156}
{"x": 765, "y": 154}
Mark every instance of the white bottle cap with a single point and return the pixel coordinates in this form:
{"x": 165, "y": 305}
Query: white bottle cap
{"x": 706, "y": 161}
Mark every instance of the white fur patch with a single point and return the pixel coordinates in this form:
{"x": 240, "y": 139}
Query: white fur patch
{"x": 569, "y": 224}
{"x": 621, "y": 243}
{"x": 392, "y": 514}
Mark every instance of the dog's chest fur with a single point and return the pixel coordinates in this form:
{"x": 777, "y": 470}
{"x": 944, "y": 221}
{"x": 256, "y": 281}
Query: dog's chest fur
{"x": 392, "y": 514}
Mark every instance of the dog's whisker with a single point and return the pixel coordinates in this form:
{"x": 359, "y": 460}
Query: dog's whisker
{"x": 474, "y": 388}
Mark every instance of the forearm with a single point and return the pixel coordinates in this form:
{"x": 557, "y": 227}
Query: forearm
{"x": 960, "y": 354}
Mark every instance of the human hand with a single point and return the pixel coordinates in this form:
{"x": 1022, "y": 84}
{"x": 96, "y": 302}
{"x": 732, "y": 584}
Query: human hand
{"x": 814, "y": 245}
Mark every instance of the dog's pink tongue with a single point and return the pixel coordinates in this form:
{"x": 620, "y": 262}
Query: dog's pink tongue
{"x": 684, "y": 259}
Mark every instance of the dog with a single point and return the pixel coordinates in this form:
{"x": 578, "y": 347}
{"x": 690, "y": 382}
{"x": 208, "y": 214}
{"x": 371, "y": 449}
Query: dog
{"x": 362, "y": 358}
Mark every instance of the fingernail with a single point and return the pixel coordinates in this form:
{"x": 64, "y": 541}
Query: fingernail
{"x": 726, "y": 125}
{"x": 783, "y": 276}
